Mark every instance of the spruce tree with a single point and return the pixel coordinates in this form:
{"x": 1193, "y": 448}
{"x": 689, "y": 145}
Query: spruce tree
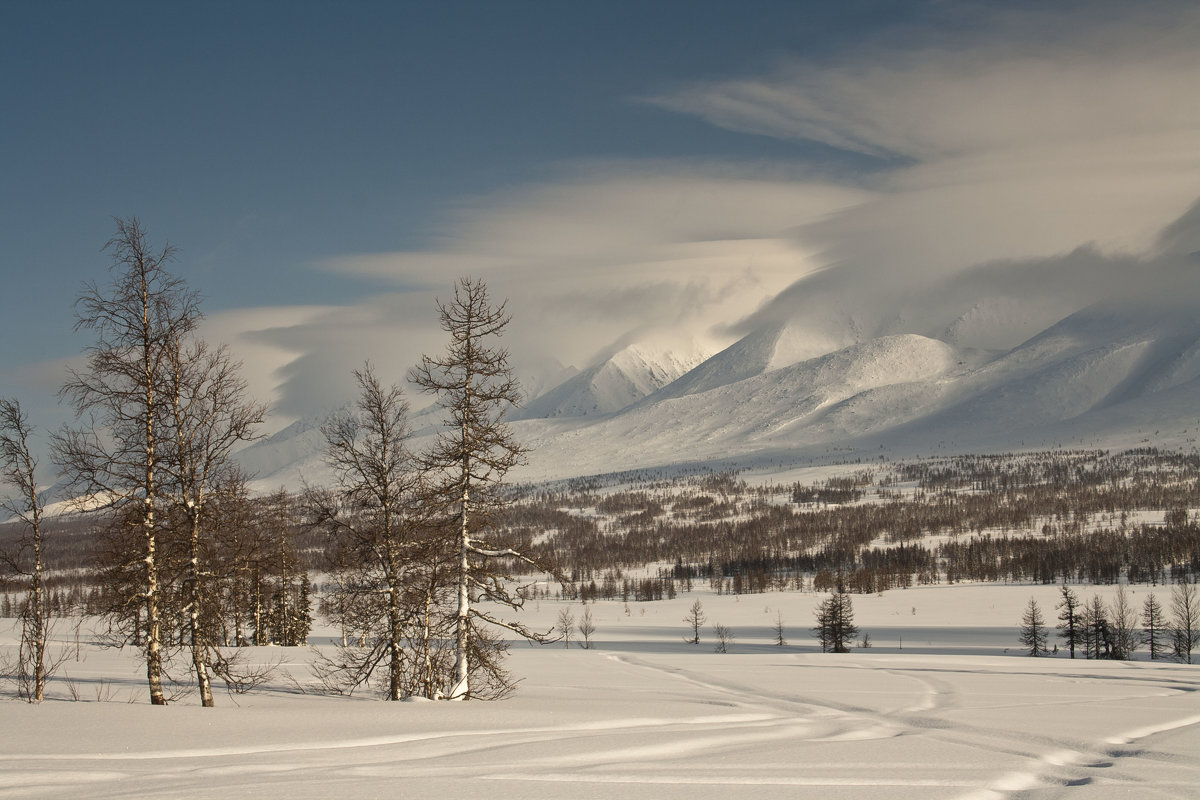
{"x": 1033, "y": 629}
{"x": 1154, "y": 626}
{"x": 835, "y": 627}
{"x": 1069, "y": 618}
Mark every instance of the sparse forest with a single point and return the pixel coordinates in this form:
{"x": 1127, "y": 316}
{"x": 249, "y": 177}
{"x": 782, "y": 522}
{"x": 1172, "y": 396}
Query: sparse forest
{"x": 166, "y": 545}
{"x": 417, "y": 554}
{"x": 1050, "y": 517}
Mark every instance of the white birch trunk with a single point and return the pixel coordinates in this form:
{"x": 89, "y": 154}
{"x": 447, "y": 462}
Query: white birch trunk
{"x": 461, "y": 688}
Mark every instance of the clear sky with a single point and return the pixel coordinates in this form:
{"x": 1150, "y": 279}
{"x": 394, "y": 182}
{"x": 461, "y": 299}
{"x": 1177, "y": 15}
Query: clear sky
{"x": 326, "y": 169}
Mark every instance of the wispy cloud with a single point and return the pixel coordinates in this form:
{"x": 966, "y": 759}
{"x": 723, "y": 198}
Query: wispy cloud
{"x": 1011, "y": 81}
{"x": 1061, "y": 143}
{"x": 1023, "y": 155}
{"x": 583, "y": 261}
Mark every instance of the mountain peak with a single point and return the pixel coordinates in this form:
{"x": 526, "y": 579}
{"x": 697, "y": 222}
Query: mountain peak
{"x": 627, "y": 374}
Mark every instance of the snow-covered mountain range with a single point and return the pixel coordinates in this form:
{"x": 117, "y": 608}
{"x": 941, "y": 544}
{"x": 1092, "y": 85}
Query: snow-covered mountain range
{"x": 617, "y": 381}
{"x": 1106, "y": 353}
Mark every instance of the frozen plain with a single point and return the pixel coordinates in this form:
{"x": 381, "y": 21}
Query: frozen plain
{"x": 943, "y": 705}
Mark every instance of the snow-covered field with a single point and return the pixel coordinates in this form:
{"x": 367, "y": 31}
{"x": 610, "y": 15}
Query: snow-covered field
{"x": 941, "y": 706}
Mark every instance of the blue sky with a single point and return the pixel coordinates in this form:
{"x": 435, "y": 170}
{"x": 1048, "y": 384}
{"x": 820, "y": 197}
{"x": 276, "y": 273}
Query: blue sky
{"x": 261, "y": 137}
{"x": 327, "y": 169}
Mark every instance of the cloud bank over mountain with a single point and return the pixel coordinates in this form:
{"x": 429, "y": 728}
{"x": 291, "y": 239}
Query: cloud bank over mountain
{"x": 1019, "y": 168}
{"x": 977, "y": 226}
{"x": 1103, "y": 352}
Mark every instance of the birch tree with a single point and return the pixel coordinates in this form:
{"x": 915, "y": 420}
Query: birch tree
{"x": 586, "y": 628}
{"x": 208, "y": 414}
{"x": 114, "y": 459}
{"x": 372, "y": 514}
{"x": 566, "y": 625}
{"x": 1123, "y": 628}
{"x": 241, "y": 548}
{"x": 474, "y": 385}
{"x": 1185, "y": 620}
{"x": 281, "y": 584}
{"x": 17, "y": 469}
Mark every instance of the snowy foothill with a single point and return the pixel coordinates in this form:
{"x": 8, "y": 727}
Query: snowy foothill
{"x": 942, "y": 705}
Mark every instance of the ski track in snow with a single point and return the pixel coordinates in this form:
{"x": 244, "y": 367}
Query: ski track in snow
{"x": 763, "y": 741}
{"x": 1051, "y": 764}
{"x": 649, "y": 718}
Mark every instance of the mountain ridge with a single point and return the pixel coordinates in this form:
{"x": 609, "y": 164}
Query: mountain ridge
{"x": 1104, "y": 375}
{"x": 1079, "y": 349}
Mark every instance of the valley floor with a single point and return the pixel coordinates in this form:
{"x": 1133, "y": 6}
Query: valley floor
{"x": 943, "y": 706}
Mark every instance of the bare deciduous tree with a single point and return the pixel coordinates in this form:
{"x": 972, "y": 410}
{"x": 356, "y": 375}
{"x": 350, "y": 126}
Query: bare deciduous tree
{"x": 724, "y": 635}
{"x": 372, "y": 514}
{"x": 474, "y": 384}
{"x": 586, "y": 628}
{"x": 1185, "y": 620}
{"x": 17, "y": 469}
{"x": 695, "y": 619}
{"x": 283, "y": 585}
{"x": 1123, "y": 628}
{"x": 566, "y": 625}
{"x": 208, "y": 415}
{"x": 114, "y": 459}
{"x": 240, "y": 546}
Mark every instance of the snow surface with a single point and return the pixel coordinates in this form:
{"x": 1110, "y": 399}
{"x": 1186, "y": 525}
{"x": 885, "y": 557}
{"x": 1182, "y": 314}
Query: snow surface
{"x": 942, "y": 706}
